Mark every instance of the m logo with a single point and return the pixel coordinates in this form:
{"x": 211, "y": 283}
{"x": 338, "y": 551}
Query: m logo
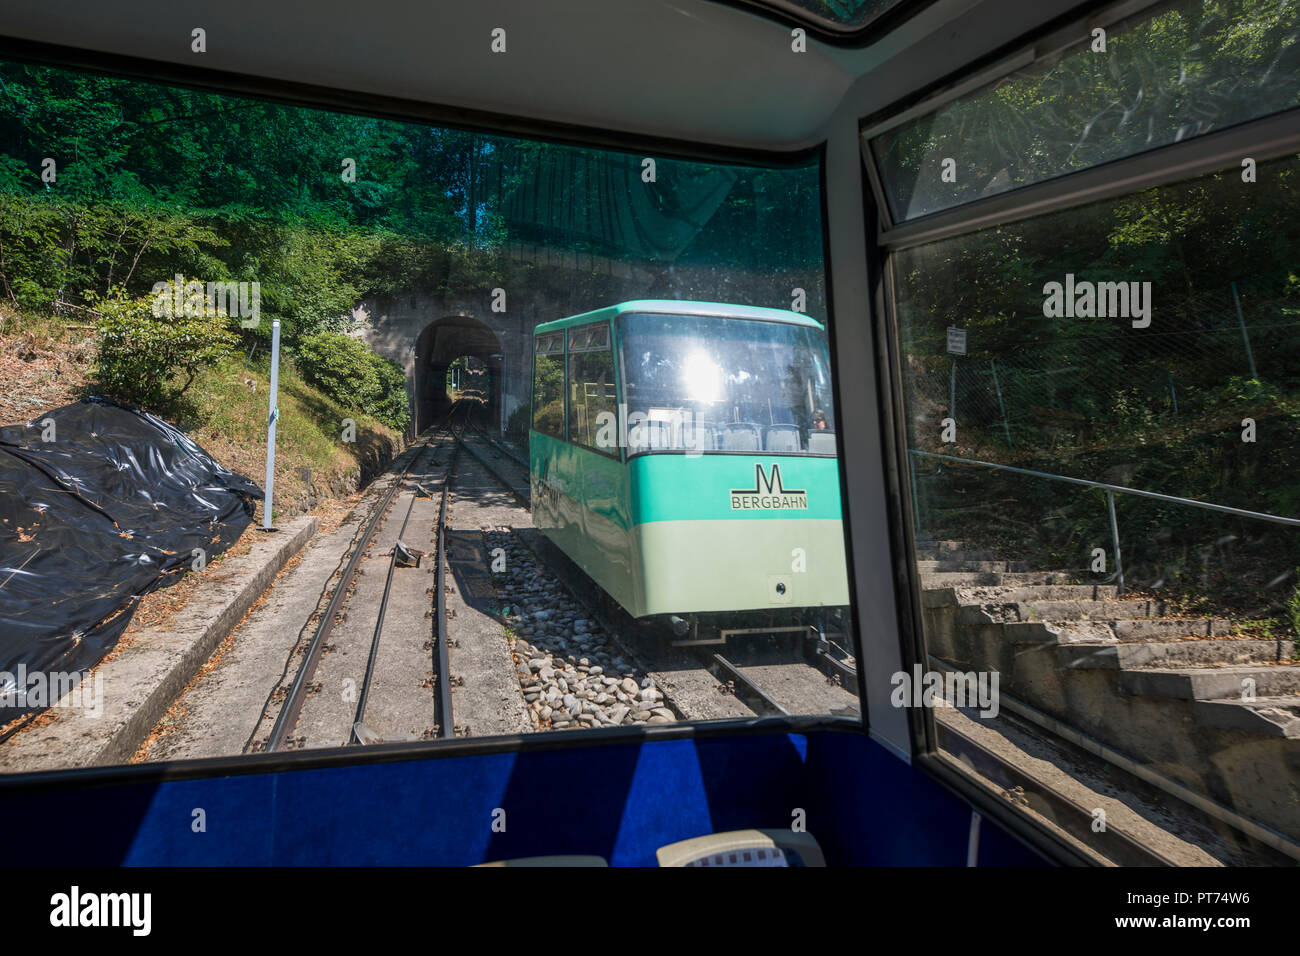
{"x": 768, "y": 493}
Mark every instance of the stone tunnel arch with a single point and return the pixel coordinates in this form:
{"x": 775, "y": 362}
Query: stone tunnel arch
{"x": 439, "y": 344}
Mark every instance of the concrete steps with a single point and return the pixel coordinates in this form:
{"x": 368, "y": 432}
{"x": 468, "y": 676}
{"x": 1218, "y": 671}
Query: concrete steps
{"x": 1183, "y": 693}
{"x": 940, "y": 579}
{"x": 1114, "y": 632}
{"x": 937, "y": 554}
{"x": 948, "y": 564}
{"x": 1228, "y": 682}
{"x": 1089, "y": 628}
{"x": 1266, "y": 716}
{"x": 1166, "y": 654}
{"x": 924, "y": 543}
{"x": 1021, "y": 624}
{"x": 1084, "y": 610}
{"x": 962, "y": 595}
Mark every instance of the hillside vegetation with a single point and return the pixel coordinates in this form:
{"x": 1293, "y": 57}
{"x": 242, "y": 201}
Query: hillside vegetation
{"x": 49, "y": 361}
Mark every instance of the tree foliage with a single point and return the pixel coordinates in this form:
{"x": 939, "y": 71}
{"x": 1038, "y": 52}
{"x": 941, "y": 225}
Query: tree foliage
{"x": 1192, "y": 68}
{"x": 348, "y": 372}
{"x": 110, "y": 184}
{"x": 151, "y": 360}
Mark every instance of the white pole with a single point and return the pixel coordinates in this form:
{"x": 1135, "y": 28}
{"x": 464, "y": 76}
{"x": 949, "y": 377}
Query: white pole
{"x": 270, "y": 426}
{"x": 1241, "y": 320}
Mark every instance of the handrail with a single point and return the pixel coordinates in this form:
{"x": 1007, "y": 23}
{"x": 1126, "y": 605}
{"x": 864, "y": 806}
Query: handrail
{"x": 1110, "y": 499}
{"x": 1206, "y": 505}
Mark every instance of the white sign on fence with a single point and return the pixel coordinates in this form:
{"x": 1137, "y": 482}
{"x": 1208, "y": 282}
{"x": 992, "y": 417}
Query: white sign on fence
{"x": 956, "y": 341}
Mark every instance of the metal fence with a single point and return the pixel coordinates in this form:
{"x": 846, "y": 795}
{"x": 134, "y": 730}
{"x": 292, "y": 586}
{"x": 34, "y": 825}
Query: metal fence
{"x": 1157, "y": 409}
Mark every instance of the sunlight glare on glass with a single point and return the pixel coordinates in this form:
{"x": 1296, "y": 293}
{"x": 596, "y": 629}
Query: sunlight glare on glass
{"x": 702, "y": 378}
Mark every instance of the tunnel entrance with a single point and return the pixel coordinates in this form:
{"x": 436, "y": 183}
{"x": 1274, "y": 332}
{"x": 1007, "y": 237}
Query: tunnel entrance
{"x": 437, "y": 349}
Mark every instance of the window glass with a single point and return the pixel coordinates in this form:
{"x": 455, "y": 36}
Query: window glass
{"x": 548, "y": 385}
{"x": 730, "y": 384}
{"x": 1151, "y": 343}
{"x": 1185, "y": 71}
{"x": 408, "y": 267}
{"x": 592, "y": 395}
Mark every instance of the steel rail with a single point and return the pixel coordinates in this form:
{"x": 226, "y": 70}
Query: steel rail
{"x": 442, "y": 660}
{"x": 500, "y": 447}
{"x": 744, "y": 689}
{"x": 525, "y": 497}
{"x": 1077, "y": 820}
{"x": 1144, "y": 772}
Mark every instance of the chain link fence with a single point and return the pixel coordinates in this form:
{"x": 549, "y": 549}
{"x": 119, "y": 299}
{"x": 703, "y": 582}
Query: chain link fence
{"x": 1159, "y": 409}
{"x": 1065, "y": 391}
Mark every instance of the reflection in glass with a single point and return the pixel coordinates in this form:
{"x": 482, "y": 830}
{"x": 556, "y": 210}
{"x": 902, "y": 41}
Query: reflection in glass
{"x": 591, "y": 395}
{"x": 744, "y": 384}
{"x": 1161, "y": 631}
{"x": 1184, "y": 72}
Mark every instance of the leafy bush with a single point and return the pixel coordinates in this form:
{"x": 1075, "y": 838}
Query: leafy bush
{"x": 1249, "y": 390}
{"x": 141, "y": 355}
{"x": 354, "y": 376}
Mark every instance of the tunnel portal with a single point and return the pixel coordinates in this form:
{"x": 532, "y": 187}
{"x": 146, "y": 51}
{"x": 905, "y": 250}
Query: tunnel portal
{"x": 440, "y": 344}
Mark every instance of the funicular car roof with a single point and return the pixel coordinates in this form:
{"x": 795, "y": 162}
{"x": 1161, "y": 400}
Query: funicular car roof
{"x": 681, "y": 307}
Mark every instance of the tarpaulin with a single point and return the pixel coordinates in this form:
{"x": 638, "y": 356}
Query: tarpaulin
{"x": 99, "y": 505}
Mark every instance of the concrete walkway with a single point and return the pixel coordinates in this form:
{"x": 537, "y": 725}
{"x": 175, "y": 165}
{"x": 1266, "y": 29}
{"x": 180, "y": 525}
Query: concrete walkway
{"x": 136, "y": 686}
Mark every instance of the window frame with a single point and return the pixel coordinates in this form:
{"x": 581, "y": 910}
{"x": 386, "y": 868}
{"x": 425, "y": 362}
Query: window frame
{"x": 569, "y": 352}
{"x": 532, "y": 388}
{"x": 1262, "y": 139}
{"x": 379, "y": 106}
{"x": 338, "y": 99}
{"x": 1267, "y": 137}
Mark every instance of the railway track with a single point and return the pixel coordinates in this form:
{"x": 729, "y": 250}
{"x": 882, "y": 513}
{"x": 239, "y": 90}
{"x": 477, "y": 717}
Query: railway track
{"x": 403, "y": 692}
{"x": 409, "y": 644}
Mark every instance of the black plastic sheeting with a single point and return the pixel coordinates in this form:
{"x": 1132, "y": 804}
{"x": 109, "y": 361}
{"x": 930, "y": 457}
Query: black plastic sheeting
{"x": 91, "y": 521}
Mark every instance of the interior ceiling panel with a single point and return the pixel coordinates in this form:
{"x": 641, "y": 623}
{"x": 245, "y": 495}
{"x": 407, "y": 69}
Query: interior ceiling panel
{"x": 690, "y": 70}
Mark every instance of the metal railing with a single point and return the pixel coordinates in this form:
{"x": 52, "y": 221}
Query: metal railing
{"x": 1110, "y": 490}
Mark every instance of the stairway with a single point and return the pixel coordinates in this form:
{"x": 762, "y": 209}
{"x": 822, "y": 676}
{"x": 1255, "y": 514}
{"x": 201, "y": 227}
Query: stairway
{"x": 1217, "y": 712}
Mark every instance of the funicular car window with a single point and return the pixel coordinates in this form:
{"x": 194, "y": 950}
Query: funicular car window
{"x": 593, "y": 401}
{"x": 1102, "y": 480}
{"x": 407, "y": 288}
{"x": 548, "y": 385}
{"x": 733, "y": 383}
